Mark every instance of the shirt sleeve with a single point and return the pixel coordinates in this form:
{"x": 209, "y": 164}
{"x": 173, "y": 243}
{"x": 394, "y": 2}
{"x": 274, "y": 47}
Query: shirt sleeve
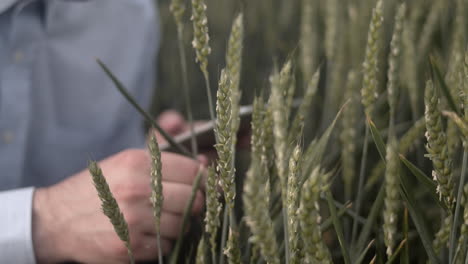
{"x": 15, "y": 226}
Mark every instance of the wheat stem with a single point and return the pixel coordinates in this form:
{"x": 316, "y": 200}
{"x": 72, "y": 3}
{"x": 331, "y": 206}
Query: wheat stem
{"x": 360, "y": 193}
{"x": 456, "y": 217}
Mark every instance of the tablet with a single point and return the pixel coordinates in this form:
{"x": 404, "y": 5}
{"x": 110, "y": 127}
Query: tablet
{"x": 204, "y": 133}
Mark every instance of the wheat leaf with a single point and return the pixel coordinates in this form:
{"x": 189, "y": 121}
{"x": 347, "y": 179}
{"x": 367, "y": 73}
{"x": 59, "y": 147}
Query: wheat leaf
{"x": 424, "y": 180}
{"x": 416, "y": 216}
{"x": 437, "y": 75}
{"x": 338, "y": 228}
{"x": 377, "y": 137}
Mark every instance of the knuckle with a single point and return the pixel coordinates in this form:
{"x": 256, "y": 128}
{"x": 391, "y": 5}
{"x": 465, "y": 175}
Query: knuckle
{"x": 131, "y": 192}
{"x": 137, "y": 244}
{"x": 133, "y": 158}
{"x": 193, "y": 169}
{"x": 132, "y": 220}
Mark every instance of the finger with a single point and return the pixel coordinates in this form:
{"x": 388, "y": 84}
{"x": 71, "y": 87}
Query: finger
{"x": 142, "y": 221}
{"x": 147, "y": 248}
{"x": 176, "y": 197}
{"x": 203, "y": 159}
{"x": 172, "y": 122}
{"x": 180, "y": 169}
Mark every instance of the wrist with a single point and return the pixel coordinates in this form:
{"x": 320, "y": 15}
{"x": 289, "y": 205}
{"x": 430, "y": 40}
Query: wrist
{"x": 44, "y": 228}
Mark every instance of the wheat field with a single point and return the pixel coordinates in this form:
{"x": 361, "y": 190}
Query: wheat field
{"x": 369, "y": 168}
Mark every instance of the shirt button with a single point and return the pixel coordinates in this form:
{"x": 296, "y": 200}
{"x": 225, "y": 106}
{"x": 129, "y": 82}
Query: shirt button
{"x": 18, "y": 56}
{"x": 7, "y": 137}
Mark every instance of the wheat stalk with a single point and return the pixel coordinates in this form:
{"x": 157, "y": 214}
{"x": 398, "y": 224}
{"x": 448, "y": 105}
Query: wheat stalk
{"x": 257, "y": 214}
{"x": 232, "y": 250}
{"x": 110, "y": 207}
{"x": 429, "y": 28}
{"x": 233, "y": 65}
{"x": 391, "y": 200}
{"x": 442, "y": 236}
{"x": 279, "y": 92}
{"x": 394, "y": 62}
{"x": 213, "y": 208}
{"x": 224, "y": 138}
{"x": 201, "y": 248}
{"x": 369, "y": 88}
{"x": 304, "y": 108}
{"x": 309, "y": 217}
{"x": 156, "y": 198}
{"x": 177, "y": 7}
{"x": 308, "y": 35}
{"x": 437, "y": 147}
{"x": 331, "y": 26}
{"x": 349, "y": 134}
{"x": 256, "y": 201}
{"x": 410, "y": 67}
{"x": 201, "y": 45}
{"x": 293, "y": 204}
{"x": 201, "y": 37}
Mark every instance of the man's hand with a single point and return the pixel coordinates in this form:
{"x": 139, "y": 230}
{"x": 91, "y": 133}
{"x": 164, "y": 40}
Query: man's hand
{"x": 68, "y": 223}
{"x": 174, "y": 123}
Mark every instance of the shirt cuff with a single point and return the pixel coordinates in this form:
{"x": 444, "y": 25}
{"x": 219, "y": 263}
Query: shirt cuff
{"x": 15, "y": 226}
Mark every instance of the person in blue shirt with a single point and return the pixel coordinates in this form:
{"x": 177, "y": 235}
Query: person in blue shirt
{"x": 58, "y": 110}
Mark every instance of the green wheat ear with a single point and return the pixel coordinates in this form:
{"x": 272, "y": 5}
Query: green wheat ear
{"x": 110, "y": 207}
{"x": 234, "y": 67}
{"x": 369, "y": 88}
{"x": 177, "y": 8}
{"x": 437, "y": 146}
{"x": 156, "y": 180}
{"x": 392, "y": 196}
{"x": 213, "y": 208}
{"x": 157, "y": 197}
{"x": 309, "y": 217}
{"x": 200, "y": 34}
{"x": 224, "y": 138}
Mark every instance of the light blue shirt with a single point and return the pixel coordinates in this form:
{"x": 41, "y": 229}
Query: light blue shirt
{"x": 57, "y": 107}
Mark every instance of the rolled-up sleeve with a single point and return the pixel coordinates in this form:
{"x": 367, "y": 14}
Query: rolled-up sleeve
{"x": 15, "y": 226}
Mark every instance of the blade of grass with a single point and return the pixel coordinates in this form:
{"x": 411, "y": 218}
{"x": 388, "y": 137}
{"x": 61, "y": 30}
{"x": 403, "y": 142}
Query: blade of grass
{"x": 364, "y": 253}
{"x": 338, "y": 228}
{"x": 315, "y": 151}
{"x": 118, "y": 84}
{"x": 378, "y": 140}
{"x": 360, "y": 193}
{"x": 374, "y": 213}
{"x": 437, "y": 75}
{"x": 325, "y": 225}
{"x": 456, "y": 217}
{"x": 429, "y": 184}
{"x": 186, "y": 91}
{"x": 395, "y": 255}
{"x": 186, "y": 217}
{"x": 416, "y": 216}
